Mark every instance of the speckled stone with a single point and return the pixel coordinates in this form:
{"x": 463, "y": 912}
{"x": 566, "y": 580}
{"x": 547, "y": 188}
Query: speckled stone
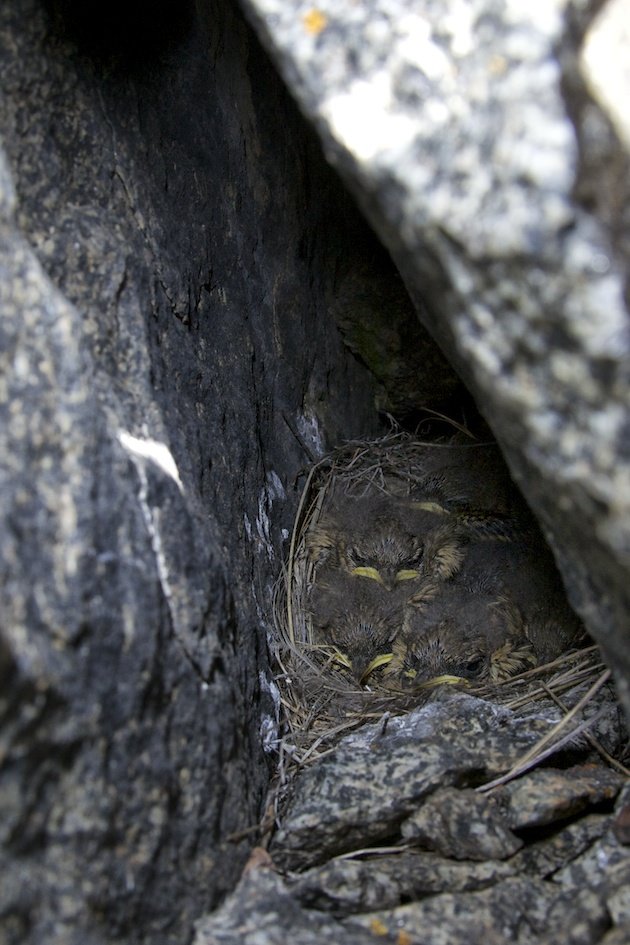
{"x": 386, "y": 880}
{"x": 376, "y": 778}
{"x": 510, "y": 911}
{"x": 546, "y": 855}
{"x": 167, "y": 368}
{"x": 463, "y": 825}
{"x": 607, "y": 861}
{"x": 379, "y": 779}
{"x": 550, "y": 795}
{"x": 262, "y": 910}
{"x": 563, "y": 884}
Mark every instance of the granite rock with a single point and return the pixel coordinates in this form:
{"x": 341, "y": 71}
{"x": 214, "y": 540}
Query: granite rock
{"x": 262, "y": 910}
{"x": 167, "y": 369}
{"x": 385, "y": 879}
{"x": 549, "y": 795}
{"x": 380, "y": 794}
{"x": 393, "y": 779}
{"x": 377, "y": 777}
{"x": 463, "y": 825}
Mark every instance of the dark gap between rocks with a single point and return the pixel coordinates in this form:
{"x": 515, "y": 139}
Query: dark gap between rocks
{"x": 547, "y": 831}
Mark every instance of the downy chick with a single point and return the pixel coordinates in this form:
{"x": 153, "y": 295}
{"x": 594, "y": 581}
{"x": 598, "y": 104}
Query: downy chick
{"x": 356, "y": 620}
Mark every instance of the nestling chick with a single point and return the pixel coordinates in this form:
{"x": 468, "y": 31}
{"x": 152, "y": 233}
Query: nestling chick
{"x": 525, "y": 573}
{"x": 385, "y": 540}
{"x": 459, "y": 635}
{"x": 468, "y": 475}
{"x": 470, "y": 483}
{"x": 503, "y": 612}
{"x": 357, "y": 620}
{"x": 366, "y": 538}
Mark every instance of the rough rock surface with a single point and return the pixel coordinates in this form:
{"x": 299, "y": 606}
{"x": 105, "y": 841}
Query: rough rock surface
{"x": 167, "y": 367}
{"x": 469, "y": 136}
{"x": 399, "y": 778}
{"x": 380, "y": 775}
{"x": 463, "y": 825}
{"x": 560, "y": 876}
{"x": 383, "y": 880}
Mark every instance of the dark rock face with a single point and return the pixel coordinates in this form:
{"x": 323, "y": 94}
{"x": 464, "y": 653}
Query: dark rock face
{"x": 471, "y": 138}
{"x": 168, "y": 366}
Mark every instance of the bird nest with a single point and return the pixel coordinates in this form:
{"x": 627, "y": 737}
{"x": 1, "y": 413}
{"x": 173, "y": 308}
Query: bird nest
{"x": 320, "y": 697}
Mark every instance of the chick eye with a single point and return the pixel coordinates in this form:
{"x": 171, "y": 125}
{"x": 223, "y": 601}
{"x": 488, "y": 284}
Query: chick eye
{"x": 475, "y": 666}
{"x": 359, "y": 560}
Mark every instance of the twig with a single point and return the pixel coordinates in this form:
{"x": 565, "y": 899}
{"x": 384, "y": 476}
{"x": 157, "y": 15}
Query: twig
{"x": 294, "y": 533}
{"x": 517, "y": 772}
{"x": 599, "y": 748}
{"x": 376, "y": 851}
{"x": 538, "y": 752}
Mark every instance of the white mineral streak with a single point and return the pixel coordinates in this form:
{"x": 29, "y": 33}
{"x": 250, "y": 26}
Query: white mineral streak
{"x": 269, "y": 725}
{"x": 272, "y": 490}
{"x": 157, "y": 453}
{"x": 309, "y": 430}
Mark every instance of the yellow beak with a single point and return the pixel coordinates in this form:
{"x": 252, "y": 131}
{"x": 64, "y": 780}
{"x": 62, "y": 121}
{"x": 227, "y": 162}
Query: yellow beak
{"x": 342, "y": 659}
{"x": 437, "y": 680}
{"x": 406, "y": 575}
{"x": 429, "y": 507}
{"x": 381, "y": 660}
{"x": 368, "y": 573}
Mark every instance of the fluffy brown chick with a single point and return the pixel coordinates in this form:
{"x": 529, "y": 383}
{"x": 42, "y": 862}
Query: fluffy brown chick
{"x": 465, "y": 474}
{"x": 470, "y": 482}
{"x": 459, "y": 635}
{"x": 387, "y": 541}
{"x": 356, "y": 620}
{"x": 524, "y": 572}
